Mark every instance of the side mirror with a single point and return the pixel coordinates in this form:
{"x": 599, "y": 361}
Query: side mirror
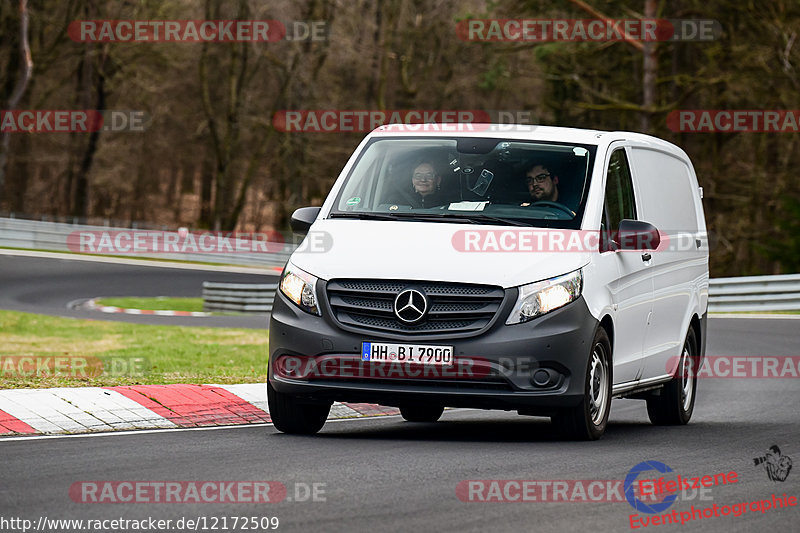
{"x": 637, "y": 235}
{"x": 303, "y": 218}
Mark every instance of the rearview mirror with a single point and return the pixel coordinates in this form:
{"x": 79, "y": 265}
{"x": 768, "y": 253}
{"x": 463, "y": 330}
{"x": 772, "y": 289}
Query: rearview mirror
{"x": 303, "y": 218}
{"x": 637, "y": 235}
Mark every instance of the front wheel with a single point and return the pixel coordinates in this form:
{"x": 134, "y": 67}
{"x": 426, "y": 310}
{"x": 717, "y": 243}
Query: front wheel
{"x": 421, "y": 413}
{"x": 292, "y": 416}
{"x": 675, "y": 404}
{"x": 588, "y": 420}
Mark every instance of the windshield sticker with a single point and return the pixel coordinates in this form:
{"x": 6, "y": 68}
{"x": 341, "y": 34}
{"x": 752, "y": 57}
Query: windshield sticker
{"x": 355, "y": 200}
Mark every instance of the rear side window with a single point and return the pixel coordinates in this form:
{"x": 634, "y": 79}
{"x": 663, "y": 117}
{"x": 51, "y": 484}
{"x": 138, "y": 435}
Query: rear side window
{"x": 619, "y": 191}
{"x": 668, "y": 198}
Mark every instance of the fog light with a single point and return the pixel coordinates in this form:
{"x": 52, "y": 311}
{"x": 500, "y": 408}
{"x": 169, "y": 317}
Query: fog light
{"x": 542, "y": 378}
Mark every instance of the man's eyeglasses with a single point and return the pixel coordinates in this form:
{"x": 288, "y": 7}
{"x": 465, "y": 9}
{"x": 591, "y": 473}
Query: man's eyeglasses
{"x": 539, "y": 178}
{"x": 424, "y": 177}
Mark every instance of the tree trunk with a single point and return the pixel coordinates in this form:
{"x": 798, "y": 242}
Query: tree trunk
{"x": 650, "y": 71}
{"x": 81, "y": 199}
{"x": 26, "y": 65}
{"x": 206, "y": 188}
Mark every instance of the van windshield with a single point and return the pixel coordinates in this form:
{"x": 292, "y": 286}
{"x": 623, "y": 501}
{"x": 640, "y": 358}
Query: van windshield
{"x": 469, "y": 180}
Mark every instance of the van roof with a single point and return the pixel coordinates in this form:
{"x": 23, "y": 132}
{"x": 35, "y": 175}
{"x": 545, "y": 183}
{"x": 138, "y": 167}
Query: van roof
{"x": 519, "y": 131}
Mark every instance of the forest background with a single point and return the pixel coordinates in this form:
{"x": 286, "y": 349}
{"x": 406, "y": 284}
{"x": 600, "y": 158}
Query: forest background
{"x": 209, "y": 156}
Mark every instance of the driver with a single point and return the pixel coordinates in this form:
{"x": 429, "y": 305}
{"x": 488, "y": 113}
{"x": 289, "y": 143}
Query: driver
{"x": 542, "y": 184}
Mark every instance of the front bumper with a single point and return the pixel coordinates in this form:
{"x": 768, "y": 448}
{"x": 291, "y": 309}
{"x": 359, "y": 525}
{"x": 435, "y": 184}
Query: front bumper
{"x": 496, "y": 369}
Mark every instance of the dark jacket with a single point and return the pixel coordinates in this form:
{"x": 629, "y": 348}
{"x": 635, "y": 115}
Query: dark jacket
{"x": 416, "y": 200}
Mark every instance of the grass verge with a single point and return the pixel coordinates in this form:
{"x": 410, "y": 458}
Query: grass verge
{"x": 161, "y": 303}
{"x": 38, "y": 351}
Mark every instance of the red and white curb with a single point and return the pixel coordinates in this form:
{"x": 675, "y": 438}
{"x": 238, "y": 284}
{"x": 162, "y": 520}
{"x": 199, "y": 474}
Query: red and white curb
{"x": 100, "y": 409}
{"x": 93, "y": 306}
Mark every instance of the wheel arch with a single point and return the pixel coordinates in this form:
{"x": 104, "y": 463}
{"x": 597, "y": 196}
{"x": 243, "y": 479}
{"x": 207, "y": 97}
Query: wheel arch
{"x": 698, "y": 326}
{"x": 607, "y": 323}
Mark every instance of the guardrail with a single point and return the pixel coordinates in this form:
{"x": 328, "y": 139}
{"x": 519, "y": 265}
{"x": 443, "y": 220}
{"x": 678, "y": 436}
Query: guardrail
{"x": 52, "y": 236}
{"x": 239, "y": 297}
{"x": 754, "y": 293}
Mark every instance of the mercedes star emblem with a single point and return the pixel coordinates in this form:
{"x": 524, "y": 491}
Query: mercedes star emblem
{"x": 410, "y": 306}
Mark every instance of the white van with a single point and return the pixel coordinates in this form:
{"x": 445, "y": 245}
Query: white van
{"x": 537, "y": 269}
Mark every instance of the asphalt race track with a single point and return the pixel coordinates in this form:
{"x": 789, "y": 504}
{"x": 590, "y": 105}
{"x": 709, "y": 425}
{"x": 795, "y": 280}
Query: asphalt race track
{"x": 47, "y": 286}
{"x": 384, "y": 474}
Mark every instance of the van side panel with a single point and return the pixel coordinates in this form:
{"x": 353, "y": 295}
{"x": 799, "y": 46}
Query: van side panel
{"x": 670, "y": 200}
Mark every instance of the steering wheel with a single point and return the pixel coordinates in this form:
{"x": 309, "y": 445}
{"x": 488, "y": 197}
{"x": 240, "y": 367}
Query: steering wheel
{"x": 560, "y": 207}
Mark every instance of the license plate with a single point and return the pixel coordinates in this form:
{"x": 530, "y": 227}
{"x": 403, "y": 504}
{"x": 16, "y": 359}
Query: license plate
{"x": 381, "y": 352}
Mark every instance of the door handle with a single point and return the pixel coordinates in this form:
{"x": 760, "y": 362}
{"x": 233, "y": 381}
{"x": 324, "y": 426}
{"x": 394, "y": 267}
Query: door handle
{"x": 646, "y": 256}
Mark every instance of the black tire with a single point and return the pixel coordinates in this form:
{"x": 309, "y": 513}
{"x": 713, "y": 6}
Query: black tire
{"x": 675, "y": 405}
{"x": 294, "y": 417}
{"x": 422, "y": 413}
{"x": 588, "y": 420}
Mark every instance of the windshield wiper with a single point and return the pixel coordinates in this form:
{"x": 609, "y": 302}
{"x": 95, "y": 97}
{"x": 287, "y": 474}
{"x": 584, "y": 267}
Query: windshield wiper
{"x": 431, "y": 217}
{"x": 464, "y": 219}
{"x": 364, "y": 216}
{"x": 427, "y": 217}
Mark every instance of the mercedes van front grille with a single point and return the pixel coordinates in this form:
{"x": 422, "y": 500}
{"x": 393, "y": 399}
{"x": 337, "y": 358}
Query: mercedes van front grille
{"x": 451, "y": 307}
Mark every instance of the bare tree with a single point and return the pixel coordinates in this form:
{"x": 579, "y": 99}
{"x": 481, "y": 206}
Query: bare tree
{"x": 225, "y": 132}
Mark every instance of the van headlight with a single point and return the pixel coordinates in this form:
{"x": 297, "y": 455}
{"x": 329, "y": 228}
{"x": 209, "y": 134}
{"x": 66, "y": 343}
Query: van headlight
{"x": 537, "y": 299}
{"x": 300, "y": 287}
